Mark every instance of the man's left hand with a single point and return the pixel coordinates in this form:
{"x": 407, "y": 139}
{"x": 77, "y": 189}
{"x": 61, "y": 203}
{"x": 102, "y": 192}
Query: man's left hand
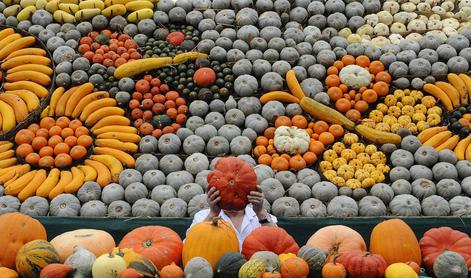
{"x": 256, "y": 199}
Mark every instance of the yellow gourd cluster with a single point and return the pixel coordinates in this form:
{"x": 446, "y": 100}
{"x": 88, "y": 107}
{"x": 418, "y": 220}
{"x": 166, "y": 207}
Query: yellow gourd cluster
{"x": 354, "y": 164}
{"x": 405, "y": 109}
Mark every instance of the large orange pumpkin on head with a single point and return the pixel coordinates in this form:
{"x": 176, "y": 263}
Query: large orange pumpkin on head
{"x": 16, "y": 230}
{"x": 161, "y": 245}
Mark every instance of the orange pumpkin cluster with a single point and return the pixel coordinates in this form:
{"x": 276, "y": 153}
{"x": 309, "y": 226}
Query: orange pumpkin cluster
{"x": 322, "y": 134}
{"x": 353, "y": 102}
{"x": 53, "y": 142}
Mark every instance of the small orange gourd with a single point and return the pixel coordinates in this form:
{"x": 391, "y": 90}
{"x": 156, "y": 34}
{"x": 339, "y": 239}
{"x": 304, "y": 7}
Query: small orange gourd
{"x": 171, "y": 271}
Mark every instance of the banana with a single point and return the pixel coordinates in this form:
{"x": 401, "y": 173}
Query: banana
{"x": 103, "y": 112}
{"x": 468, "y": 153}
{"x": 450, "y": 91}
{"x": 125, "y": 158}
{"x": 136, "y": 67}
{"x": 95, "y": 105}
{"x": 114, "y": 10}
{"x": 86, "y": 14}
{"x": 76, "y": 2}
{"x": 125, "y": 137}
{"x": 32, "y": 186}
{"x": 460, "y": 86}
{"x": 29, "y": 75}
{"x": 188, "y": 56}
{"x": 138, "y": 5}
{"x": 111, "y": 120}
{"x": 63, "y": 17}
{"x": 45, "y": 112}
{"x": 40, "y": 4}
{"x": 119, "y": 128}
{"x": 12, "y": 171}
{"x": 91, "y": 4}
{"x": 75, "y": 98}
{"x": 103, "y": 173}
{"x": 77, "y": 181}
{"x": 7, "y": 154}
{"x": 109, "y": 3}
{"x": 62, "y": 102}
{"x": 440, "y": 94}
{"x": 467, "y": 82}
{"x": 9, "y": 39}
{"x": 19, "y": 106}
{"x": 30, "y": 98}
{"x": 10, "y": 181}
{"x": 5, "y": 147}
{"x": 56, "y": 95}
{"x": 112, "y": 163}
{"x": 24, "y": 60}
{"x": 52, "y": 6}
{"x": 449, "y": 144}
{"x": 26, "y": 13}
{"x": 438, "y": 139}
{"x": 39, "y": 90}
{"x": 12, "y": 10}
{"x": 26, "y": 3}
{"x": 8, "y": 162}
{"x": 65, "y": 178}
{"x": 32, "y": 67}
{"x": 429, "y": 132}
{"x": 377, "y": 136}
{"x": 89, "y": 172}
{"x": 116, "y": 144}
{"x": 87, "y": 100}
{"x": 460, "y": 149}
{"x": 8, "y": 116}
{"x": 10, "y": 168}
{"x": 49, "y": 183}
{"x": 26, "y": 51}
{"x": 140, "y": 14}
{"x": 17, "y": 45}
{"x": 6, "y": 32}
{"x": 68, "y": 7}
{"x": 15, "y": 187}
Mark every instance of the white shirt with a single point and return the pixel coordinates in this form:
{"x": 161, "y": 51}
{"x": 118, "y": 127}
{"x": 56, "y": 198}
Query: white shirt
{"x": 249, "y": 223}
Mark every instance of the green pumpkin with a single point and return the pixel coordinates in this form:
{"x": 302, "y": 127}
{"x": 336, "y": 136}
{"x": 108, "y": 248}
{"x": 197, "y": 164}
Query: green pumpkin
{"x": 252, "y": 269}
{"x": 34, "y": 256}
{"x": 315, "y": 258}
{"x": 136, "y": 261}
{"x": 161, "y": 121}
{"x": 229, "y": 265}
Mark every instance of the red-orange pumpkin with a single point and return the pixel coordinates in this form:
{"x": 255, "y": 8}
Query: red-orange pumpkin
{"x": 16, "y": 230}
{"x": 8, "y": 273}
{"x": 130, "y": 273}
{"x": 363, "y": 264}
{"x": 234, "y": 179}
{"x": 334, "y": 270}
{"x": 294, "y": 268}
{"x": 274, "y": 274}
{"x": 395, "y": 241}
{"x": 159, "y": 244}
{"x": 266, "y": 238}
{"x": 171, "y": 271}
{"x": 204, "y": 77}
{"x": 56, "y": 271}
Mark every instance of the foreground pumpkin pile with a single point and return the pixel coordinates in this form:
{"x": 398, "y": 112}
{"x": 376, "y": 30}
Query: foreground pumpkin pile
{"x": 211, "y": 249}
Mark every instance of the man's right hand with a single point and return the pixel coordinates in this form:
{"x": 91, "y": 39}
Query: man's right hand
{"x": 213, "y": 200}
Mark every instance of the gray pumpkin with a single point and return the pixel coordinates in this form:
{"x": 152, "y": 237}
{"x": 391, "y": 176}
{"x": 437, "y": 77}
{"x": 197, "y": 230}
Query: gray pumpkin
{"x": 300, "y": 192}
{"x": 281, "y": 67}
{"x": 247, "y": 32}
{"x": 256, "y": 122}
{"x": 229, "y": 132}
{"x": 272, "y": 189}
{"x": 345, "y": 191}
{"x": 399, "y": 173}
{"x": 287, "y": 178}
{"x": 198, "y": 267}
{"x": 169, "y": 143}
{"x": 261, "y": 67}
{"x": 135, "y": 191}
{"x": 162, "y": 193}
{"x": 240, "y": 145}
{"x": 285, "y": 207}
{"x": 247, "y": 159}
{"x": 269, "y": 18}
{"x": 448, "y": 188}
{"x": 460, "y": 206}
{"x": 197, "y": 203}
{"x": 89, "y": 191}
{"x": 402, "y": 158}
{"x": 273, "y": 109}
{"x": 316, "y": 71}
{"x": 464, "y": 168}
{"x": 382, "y": 191}
{"x": 426, "y": 155}
{"x": 196, "y": 163}
{"x": 405, "y": 205}
{"x": 423, "y": 188}
{"x": 147, "y": 162}
{"x": 93, "y": 208}
{"x": 324, "y": 191}
{"x": 170, "y": 163}
{"x": 187, "y": 191}
{"x": 129, "y": 176}
{"x": 371, "y": 206}
{"x": 457, "y": 64}
{"x": 193, "y": 144}
{"x": 245, "y": 85}
{"x": 64, "y": 205}
{"x": 446, "y": 52}
{"x": 410, "y": 143}
{"x": 263, "y": 172}
{"x": 401, "y": 186}
{"x": 271, "y": 81}
{"x": 420, "y": 172}
{"x": 342, "y": 207}
{"x": 450, "y": 264}
{"x": 249, "y": 133}
{"x": 148, "y": 144}
{"x": 447, "y": 155}
{"x": 466, "y": 185}
{"x": 119, "y": 209}
{"x": 270, "y": 32}
{"x": 35, "y": 206}
{"x": 359, "y": 193}
{"x": 198, "y": 108}
{"x": 313, "y": 208}
{"x": 112, "y": 192}
{"x": 444, "y": 170}
{"x": 217, "y": 146}
{"x": 179, "y": 178}
{"x": 315, "y": 258}
{"x": 293, "y": 109}
{"x": 194, "y": 122}
{"x": 435, "y": 206}
{"x": 312, "y": 86}
{"x": 173, "y": 207}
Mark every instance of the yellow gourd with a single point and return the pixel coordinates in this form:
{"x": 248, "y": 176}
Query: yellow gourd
{"x": 400, "y": 270}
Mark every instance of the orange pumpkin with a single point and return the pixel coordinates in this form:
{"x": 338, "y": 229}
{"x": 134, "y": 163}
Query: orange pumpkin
{"x": 171, "y": 271}
{"x": 334, "y": 270}
{"x": 337, "y": 239}
{"x": 8, "y": 273}
{"x": 56, "y": 271}
{"x": 274, "y": 274}
{"x": 96, "y": 241}
{"x": 130, "y": 273}
{"x": 414, "y": 266}
{"x": 294, "y": 268}
{"x": 395, "y": 241}
{"x": 283, "y": 257}
{"x": 17, "y": 229}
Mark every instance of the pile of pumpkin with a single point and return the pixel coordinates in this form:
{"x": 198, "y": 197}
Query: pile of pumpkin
{"x": 153, "y": 251}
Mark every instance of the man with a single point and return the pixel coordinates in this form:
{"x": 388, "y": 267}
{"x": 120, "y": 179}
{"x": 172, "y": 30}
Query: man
{"x": 243, "y": 221}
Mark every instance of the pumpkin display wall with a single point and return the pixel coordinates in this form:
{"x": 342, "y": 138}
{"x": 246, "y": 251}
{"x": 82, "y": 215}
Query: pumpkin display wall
{"x": 273, "y": 239}
{"x": 234, "y": 179}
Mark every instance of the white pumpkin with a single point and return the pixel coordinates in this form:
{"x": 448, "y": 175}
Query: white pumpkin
{"x": 354, "y": 38}
{"x": 385, "y": 17}
{"x": 291, "y": 140}
{"x": 355, "y": 76}
{"x": 416, "y": 25}
{"x": 366, "y": 29}
{"x": 395, "y": 38}
{"x": 434, "y": 24}
{"x": 408, "y": 7}
{"x": 345, "y": 32}
{"x": 371, "y": 19}
{"x": 424, "y": 7}
{"x": 380, "y": 41}
{"x": 381, "y": 29}
{"x": 398, "y": 28}
{"x": 108, "y": 266}
{"x": 391, "y": 6}
{"x": 451, "y": 22}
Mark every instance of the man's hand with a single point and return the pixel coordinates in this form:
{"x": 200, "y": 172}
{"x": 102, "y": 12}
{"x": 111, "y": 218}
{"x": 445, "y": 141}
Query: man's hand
{"x": 213, "y": 200}
{"x": 256, "y": 199}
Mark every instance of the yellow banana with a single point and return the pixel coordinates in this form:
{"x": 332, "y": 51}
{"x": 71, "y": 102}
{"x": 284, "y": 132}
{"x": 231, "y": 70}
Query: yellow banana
{"x": 77, "y": 181}
{"x": 140, "y": 15}
{"x": 119, "y": 128}
{"x": 39, "y": 90}
{"x": 15, "y": 187}
{"x": 125, "y": 137}
{"x": 26, "y": 13}
{"x": 19, "y": 106}
{"x": 10, "y": 181}
{"x": 114, "y": 10}
{"x": 468, "y": 153}
{"x": 89, "y": 172}
{"x": 52, "y": 6}
{"x": 33, "y": 185}
{"x": 16, "y": 45}
{"x": 116, "y": 144}
{"x": 450, "y": 91}
{"x": 101, "y": 113}
{"x": 136, "y": 67}
{"x": 56, "y": 95}
{"x": 460, "y": 149}
{"x": 7, "y": 154}
{"x": 30, "y": 98}
{"x": 24, "y": 60}
{"x": 429, "y": 132}
{"x": 26, "y": 3}
{"x": 8, "y": 40}
{"x": 40, "y": 4}
{"x": 438, "y": 139}
{"x": 125, "y": 158}
{"x": 91, "y": 4}
{"x": 12, "y": 168}
{"x": 440, "y": 94}
{"x": 63, "y": 17}
{"x": 75, "y": 98}
{"x": 103, "y": 173}
{"x": 26, "y": 51}
{"x": 65, "y": 178}
{"x": 31, "y": 67}
{"x": 6, "y": 32}
{"x": 188, "y": 56}
{"x": 6, "y": 146}
{"x": 49, "y": 183}
{"x": 76, "y": 2}
{"x": 29, "y": 75}
{"x": 45, "y": 112}
{"x": 377, "y": 136}
{"x": 62, "y": 102}
{"x": 8, "y": 162}
{"x": 460, "y": 86}
{"x": 87, "y": 100}
{"x": 13, "y": 171}
{"x": 12, "y": 10}
{"x": 112, "y": 163}
{"x": 86, "y": 14}
{"x": 111, "y": 120}
{"x": 449, "y": 144}
{"x": 467, "y": 82}
{"x": 95, "y": 105}
{"x": 138, "y": 5}
{"x": 8, "y": 116}
{"x": 109, "y": 3}
{"x": 68, "y": 7}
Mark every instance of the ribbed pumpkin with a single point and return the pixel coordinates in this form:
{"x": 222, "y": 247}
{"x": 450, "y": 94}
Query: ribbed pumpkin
{"x": 210, "y": 240}
{"x": 171, "y": 271}
{"x": 136, "y": 261}
{"x": 96, "y": 241}
{"x": 266, "y": 238}
{"x": 229, "y": 264}
{"x": 34, "y": 256}
{"x": 8, "y": 273}
{"x": 314, "y": 257}
{"x": 252, "y": 269}
{"x": 294, "y": 268}
{"x": 160, "y": 245}
{"x": 400, "y": 270}
{"x": 17, "y": 229}
{"x": 362, "y": 264}
{"x": 56, "y": 271}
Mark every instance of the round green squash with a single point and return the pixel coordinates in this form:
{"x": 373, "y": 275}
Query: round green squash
{"x": 229, "y": 265}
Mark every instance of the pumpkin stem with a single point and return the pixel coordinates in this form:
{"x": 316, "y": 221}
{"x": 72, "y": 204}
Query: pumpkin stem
{"x": 147, "y": 243}
{"x": 215, "y": 220}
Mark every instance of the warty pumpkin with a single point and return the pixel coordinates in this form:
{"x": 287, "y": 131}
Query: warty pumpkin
{"x": 137, "y": 261}
{"x": 210, "y": 240}
{"x": 96, "y": 241}
{"x": 234, "y": 179}
{"x": 395, "y": 241}
{"x": 55, "y": 271}
{"x": 34, "y": 256}
{"x": 266, "y": 238}
{"x": 17, "y": 229}
{"x": 251, "y": 269}
{"x": 362, "y": 264}
{"x": 161, "y": 245}
{"x": 8, "y": 273}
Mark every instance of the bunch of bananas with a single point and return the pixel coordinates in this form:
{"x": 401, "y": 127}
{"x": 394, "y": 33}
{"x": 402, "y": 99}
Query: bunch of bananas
{"x": 115, "y": 143}
{"x": 28, "y": 74}
{"x": 440, "y": 138}
{"x": 452, "y": 94}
